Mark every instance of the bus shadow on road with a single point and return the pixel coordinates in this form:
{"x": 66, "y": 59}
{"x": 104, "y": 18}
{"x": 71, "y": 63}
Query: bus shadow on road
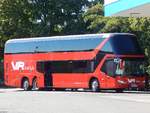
{"x": 11, "y": 89}
{"x": 137, "y": 92}
{"x": 126, "y": 92}
{"x": 89, "y": 91}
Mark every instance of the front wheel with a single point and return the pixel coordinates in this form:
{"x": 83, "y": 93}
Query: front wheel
{"x": 94, "y": 85}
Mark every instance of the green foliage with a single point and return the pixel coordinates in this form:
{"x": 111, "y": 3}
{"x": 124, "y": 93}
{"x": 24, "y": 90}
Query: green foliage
{"x": 93, "y": 17}
{"x": 28, "y": 18}
{"x": 139, "y": 26}
{"x": 94, "y": 2}
{"x": 15, "y": 19}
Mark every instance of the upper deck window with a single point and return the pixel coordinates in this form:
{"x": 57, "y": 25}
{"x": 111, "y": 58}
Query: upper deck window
{"x": 107, "y": 47}
{"x": 84, "y": 43}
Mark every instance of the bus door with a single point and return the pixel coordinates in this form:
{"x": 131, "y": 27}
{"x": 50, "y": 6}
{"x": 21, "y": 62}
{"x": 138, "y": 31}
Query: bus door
{"x": 48, "y": 74}
{"x": 45, "y": 68}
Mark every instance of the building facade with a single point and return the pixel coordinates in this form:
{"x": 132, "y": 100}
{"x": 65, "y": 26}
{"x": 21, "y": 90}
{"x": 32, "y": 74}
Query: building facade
{"x": 127, "y": 8}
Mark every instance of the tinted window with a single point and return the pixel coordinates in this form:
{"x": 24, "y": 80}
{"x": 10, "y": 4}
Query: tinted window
{"x": 51, "y": 45}
{"x": 67, "y": 66}
{"x": 68, "y": 45}
{"x": 127, "y": 67}
{"x": 125, "y": 44}
{"x": 109, "y": 68}
{"x": 29, "y": 47}
{"x": 136, "y": 67}
{"x": 98, "y": 59}
{"x": 122, "y": 44}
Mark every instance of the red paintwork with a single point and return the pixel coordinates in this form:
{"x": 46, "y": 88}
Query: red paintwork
{"x": 65, "y": 80}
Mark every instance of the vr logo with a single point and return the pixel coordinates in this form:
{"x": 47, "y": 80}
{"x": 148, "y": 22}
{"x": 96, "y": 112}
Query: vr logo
{"x": 131, "y": 80}
{"x": 18, "y": 65}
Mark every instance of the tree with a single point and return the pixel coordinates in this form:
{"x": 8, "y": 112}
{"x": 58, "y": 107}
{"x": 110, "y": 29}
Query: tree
{"x": 59, "y": 16}
{"x": 94, "y": 18}
{"x": 96, "y": 21}
{"x": 94, "y": 2}
{"x": 15, "y": 18}
{"x": 28, "y": 18}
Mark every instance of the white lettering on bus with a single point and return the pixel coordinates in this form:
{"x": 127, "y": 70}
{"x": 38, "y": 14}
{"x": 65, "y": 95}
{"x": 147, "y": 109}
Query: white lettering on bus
{"x": 18, "y": 65}
{"x": 131, "y": 80}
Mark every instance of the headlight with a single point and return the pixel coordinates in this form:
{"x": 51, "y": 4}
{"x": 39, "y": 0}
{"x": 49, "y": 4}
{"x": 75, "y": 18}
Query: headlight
{"x": 121, "y": 82}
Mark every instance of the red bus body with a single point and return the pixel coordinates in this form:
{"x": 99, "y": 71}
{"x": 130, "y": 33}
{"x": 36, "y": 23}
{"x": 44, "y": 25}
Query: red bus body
{"x": 18, "y": 66}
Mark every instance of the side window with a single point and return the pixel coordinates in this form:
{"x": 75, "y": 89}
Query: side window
{"x": 109, "y": 68}
{"x": 67, "y": 66}
{"x": 107, "y": 47}
{"x": 79, "y": 66}
{"x": 61, "y": 67}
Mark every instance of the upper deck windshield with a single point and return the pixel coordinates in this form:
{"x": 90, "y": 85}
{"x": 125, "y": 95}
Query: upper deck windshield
{"x": 122, "y": 44}
{"x": 125, "y": 44}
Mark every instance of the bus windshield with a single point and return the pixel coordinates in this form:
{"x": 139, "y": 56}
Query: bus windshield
{"x": 133, "y": 67}
{"x": 125, "y": 67}
{"x": 125, "y": 44}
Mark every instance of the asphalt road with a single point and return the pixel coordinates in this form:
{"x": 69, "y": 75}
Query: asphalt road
{"x": 18, "y": 101}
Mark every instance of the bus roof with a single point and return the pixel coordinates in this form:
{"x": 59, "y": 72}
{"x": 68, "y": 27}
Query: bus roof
{"x": 56, "y": 43}
{"x": 68, "y": 37}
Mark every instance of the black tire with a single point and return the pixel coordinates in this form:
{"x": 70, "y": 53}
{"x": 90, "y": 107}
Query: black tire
{"x": 35, "y": 85}
{"x": 94, "y": 85}
{"x": 59, "y": 89}
{"x": 48, "y": 89}
{"x": 26, "y": 85}
{"x": 74, "y": 90}
{"x": 119, "y": 90}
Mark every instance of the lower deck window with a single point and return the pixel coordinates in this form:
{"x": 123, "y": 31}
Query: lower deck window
{"x": 66, "y": 66}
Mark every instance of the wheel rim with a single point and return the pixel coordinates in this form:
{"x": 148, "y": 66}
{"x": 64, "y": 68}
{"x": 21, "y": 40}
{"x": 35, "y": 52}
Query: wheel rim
{"x": 94, "y": 85}
{"x": 25, "y": 85}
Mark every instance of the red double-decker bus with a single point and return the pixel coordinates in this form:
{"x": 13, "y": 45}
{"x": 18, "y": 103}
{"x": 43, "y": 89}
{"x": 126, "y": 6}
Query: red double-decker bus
{"x": 94, "y": 61}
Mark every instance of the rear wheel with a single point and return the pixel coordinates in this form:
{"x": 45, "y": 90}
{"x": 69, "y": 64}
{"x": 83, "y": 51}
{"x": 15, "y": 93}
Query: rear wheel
{"x": 94, "y": 85}
{"x": 35, "y": 85}
{"x": 26, "y": 85}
